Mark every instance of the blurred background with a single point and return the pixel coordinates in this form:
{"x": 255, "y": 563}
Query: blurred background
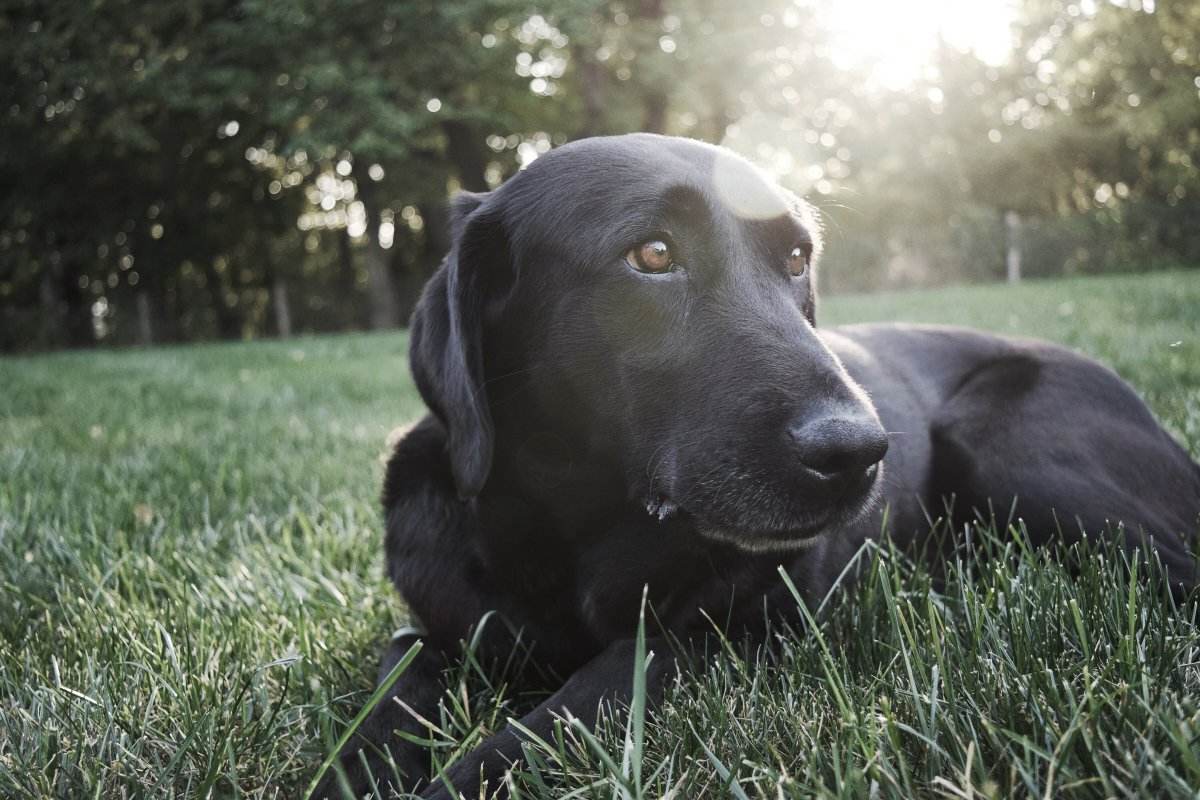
{"x": 246, "y": 168}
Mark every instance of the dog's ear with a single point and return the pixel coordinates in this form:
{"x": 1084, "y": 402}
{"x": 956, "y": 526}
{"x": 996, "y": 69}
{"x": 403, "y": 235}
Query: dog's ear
{"x": 446, "y": 347}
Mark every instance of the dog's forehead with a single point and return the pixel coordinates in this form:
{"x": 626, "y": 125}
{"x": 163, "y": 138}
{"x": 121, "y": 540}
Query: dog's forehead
{"x": 640, "y": 152}
{"x": 607, "y": 178}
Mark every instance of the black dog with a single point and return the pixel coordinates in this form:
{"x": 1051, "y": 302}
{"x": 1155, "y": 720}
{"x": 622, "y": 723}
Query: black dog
{"x": 628, "y": 389}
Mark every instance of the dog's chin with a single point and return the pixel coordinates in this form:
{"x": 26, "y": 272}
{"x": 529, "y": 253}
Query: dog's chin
{"x": 758, "y": 533}
{"x": 762, "y": 541}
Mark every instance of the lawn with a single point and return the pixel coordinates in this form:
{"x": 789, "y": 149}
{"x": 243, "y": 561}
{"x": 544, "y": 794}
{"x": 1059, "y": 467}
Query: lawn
{"x": 192, "y": 595}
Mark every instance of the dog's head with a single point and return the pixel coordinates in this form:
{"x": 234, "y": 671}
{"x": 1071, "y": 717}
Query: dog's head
{"x": 638, "y": 312}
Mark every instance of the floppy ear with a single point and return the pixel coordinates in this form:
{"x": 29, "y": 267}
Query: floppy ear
{"x": 446, "y": 350}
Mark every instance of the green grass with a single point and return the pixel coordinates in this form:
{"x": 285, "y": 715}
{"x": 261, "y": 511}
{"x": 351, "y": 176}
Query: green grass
{"x": 192, "y": 598}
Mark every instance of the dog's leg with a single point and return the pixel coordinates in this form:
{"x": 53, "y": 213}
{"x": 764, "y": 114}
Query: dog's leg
{"x": 1074, "y": 450}
{"x": 368, "y": 757}
{"x": 606, "y": 678}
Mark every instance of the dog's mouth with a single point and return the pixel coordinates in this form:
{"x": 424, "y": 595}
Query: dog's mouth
{"x": 753, "y": 529}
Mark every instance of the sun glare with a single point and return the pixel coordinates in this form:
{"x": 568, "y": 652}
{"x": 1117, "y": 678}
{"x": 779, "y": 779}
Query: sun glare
{"x": 897, "y": 39}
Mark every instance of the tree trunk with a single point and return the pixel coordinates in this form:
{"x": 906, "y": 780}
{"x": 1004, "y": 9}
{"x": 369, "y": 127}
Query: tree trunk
{"x": 144, "y": 318}
{"x": 592, "y": 80}
{"x": 345, "y": 251}
{"x": 654, "y": 98}
{"x": 383, "y": 310}
{"x": 52, "y": 308}
{"x": 435, "y": 244}
{"x": 160, "y": 273}
{"x": 654, "y": 105}
{"x": 226, "y": 318}
{"x": 353, "y": 306}
{"x": 465, "y": 146}
{"x": 77, "y": 330}
{"x": 277, "y": 286}
{"x": 162, "y": 319}
{"x": 410, "y": 280}
{"x": 719, "y": 118}
{"x": 281, "y": 307}
{"x": 437, "y": 234}
{"x": 1012, "y": 241}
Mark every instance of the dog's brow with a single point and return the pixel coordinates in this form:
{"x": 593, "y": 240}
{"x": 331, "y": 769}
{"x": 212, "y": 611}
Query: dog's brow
{"x": 682, "y": 200}
{"x": 787, "y": 230}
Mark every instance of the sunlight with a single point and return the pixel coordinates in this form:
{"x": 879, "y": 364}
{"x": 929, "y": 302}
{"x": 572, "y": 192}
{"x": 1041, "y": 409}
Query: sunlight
{"x": 743, "y": 189}
{"x": 898, "y": 39}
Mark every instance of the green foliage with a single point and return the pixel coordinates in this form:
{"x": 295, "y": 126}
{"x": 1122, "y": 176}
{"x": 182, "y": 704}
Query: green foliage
{"x": 216, "y": 169}
{"x": 1014, "y": 680}
{"x": 194, "y": 601}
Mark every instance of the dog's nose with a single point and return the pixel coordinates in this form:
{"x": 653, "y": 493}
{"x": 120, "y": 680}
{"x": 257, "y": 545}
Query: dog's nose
{"x": 840, "y": 446}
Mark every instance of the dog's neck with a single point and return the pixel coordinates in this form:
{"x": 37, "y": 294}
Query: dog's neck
{"x": 565, "y": 488}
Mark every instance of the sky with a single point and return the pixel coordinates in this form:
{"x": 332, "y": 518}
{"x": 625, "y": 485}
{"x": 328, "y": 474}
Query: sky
{"x": 898, "y": 36}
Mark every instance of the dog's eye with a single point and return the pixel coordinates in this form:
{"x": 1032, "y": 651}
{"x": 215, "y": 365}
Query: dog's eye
{"x": 653, "y": 256}
{"x": 798, "y": 258}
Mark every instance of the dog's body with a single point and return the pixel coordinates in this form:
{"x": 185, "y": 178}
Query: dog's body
{"x": 602, "y": 424}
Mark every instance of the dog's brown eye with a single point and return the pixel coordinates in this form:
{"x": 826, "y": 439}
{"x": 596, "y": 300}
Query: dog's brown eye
{"x": 653, "y": 256}
{"x": 798, "y": 259}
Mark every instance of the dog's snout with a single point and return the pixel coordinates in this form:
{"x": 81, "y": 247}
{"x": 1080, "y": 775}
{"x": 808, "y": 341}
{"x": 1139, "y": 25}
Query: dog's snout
{"x": 840, "y": 446}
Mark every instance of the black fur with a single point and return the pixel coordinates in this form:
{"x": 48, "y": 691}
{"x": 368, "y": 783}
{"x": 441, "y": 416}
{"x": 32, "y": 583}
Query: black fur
{"x": 595, "y": 430}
